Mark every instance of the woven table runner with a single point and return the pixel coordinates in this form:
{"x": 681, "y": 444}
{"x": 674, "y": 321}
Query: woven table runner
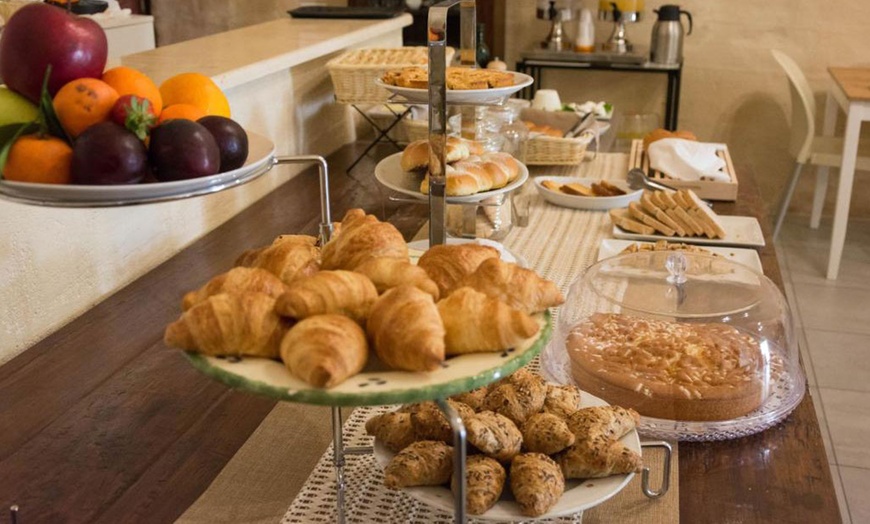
{"x": 257, "y": 483}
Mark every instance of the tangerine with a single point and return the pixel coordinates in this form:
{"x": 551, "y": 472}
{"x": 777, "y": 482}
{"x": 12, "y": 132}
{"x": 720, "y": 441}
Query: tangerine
{"x": 195, "y": 89}
{"x": 82, "y": 103}
{"x": 40, "y": 159}
{"x": 129, "y": 81}
{"x": 183, "y": 111}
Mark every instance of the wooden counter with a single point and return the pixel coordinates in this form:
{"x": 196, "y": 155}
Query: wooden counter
{"x": 103, "y": 423}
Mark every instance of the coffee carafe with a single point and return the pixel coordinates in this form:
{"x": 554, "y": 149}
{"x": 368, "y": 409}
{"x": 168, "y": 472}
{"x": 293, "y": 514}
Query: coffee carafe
{"x": 666, "y": 46}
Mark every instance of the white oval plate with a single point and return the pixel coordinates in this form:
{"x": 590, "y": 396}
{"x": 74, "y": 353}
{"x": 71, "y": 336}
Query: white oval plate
{"x": 261, "y": 154}
{"x": 389, "y": 173}
{"x": 578, "y": 496}
{"x": 584, "y": 202}
{"x": 463, "y": 96}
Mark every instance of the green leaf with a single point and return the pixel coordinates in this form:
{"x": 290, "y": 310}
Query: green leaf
{"x": 8, "y": 135}
{"x": 48, "y": 118}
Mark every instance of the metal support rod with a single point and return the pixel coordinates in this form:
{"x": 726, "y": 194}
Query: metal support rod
{"x": 437, "y": 38}
{"x": 323, "y": 172}
{"x": 666, "y": 473}
{"x": 338, "y": 462}
{"x": 459, "y": 495}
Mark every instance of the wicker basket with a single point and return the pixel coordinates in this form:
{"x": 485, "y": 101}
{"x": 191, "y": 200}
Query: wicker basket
{"x": 354, "y": 72}
{"x": 554, "y": 151}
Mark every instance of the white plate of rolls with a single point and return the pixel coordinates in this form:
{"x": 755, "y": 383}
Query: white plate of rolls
{"x": 490, "y": 488}
{"x": 472, "y": 174}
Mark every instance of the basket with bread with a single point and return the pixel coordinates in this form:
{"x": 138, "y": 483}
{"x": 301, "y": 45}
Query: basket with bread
{"x": 681, "y": 161}
{"x": 526, "y": 438}
{"x": 360, "y": 302}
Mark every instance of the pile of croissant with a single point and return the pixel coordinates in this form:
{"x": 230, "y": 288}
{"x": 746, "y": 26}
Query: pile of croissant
{"x": 320, "y": 310}
{"x": 522, "y": 428}
{"x": 470, "y": 169}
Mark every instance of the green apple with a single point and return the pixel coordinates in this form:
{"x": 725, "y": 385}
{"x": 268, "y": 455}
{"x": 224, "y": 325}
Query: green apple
{"x": 14, "y": 108}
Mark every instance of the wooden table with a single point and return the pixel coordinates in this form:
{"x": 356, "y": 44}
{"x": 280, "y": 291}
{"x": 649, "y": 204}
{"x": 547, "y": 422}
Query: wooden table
{"x": 102, "y": 423}
{"x": 852, "y": 93}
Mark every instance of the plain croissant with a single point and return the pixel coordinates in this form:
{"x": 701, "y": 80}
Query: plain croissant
{"x": 387, "y": 273}
{"x": 516, "y": 286}
{"x": 362, "y": 237}
{"x": 406, "y": 330}
{"x": 325, "y": 350}
{"x": 230, "y": 324}
{"x": 447, "y": 264}
{"x": 477, "y": 323}
{"x": 237, "y": 280}
{"x": 339, "y": 292}
{"x": 289, "y": 257}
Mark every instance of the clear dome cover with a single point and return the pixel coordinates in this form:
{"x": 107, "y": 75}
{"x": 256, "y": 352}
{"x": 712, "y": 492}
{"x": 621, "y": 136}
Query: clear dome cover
{"x": 701, "y": 346}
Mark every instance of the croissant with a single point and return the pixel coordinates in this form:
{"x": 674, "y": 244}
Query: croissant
{"x": 406, "y": 330}
{"x": 325, "y": 350}
{"x": 424, "y": 463}
{"x": 362, "y": 237}
{"x": 394, "y": 429}
{"x": 289, "y": 257}
{"x": 477, "y": 323}
{"x": 517, "y": 397}
{"x": 339, "y": 292}
{"x": 229, "y": 324}
{"x": 484, "y": 482}
{"x": 416, "y": 154}
{"x": 237, "y": 280}
{"x": 562, "y": 400}
{"x": 518, "y": 287}
{"x": 546, "y": 433}
{"x": 610, "y": 421}
{"x": 494, "y": 435}
{"x": 388, "y": 273}
{"x": 447, "y": 264}
{"x": 536, "y": 482}
{"x": 430, "y": 423}
{"x": 598, "y": 457}
{"x": 473, "y": 398}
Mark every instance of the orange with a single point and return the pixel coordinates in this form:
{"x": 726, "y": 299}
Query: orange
{"x": 82, "y": 103}
{"x": 129, "y": 81}
{"x": 186, "y": 111}
{"x": 195, "y": 89}
{"x": 45, "y": 160}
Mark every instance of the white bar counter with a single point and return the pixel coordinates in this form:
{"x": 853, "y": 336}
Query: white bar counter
{"x": 55, "y": 263}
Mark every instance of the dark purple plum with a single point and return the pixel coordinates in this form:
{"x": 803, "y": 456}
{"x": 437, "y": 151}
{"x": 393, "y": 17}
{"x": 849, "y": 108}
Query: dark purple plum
{"x": 231, "y": 140}
{"x": 106, "y": 153}
{"x": 182, "y": 149}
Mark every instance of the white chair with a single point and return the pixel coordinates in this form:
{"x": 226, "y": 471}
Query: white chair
{"x": 823, "y": 152}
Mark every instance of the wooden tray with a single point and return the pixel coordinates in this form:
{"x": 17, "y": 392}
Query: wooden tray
{"x": 706, "y": 189}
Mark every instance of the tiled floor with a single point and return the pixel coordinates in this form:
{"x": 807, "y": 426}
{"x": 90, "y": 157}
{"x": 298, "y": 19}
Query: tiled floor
{"x": 833, "y": 318}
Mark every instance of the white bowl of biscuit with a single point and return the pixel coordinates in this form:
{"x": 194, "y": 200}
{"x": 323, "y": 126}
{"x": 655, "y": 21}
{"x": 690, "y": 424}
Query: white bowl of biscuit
{"x": 586, "y": 193}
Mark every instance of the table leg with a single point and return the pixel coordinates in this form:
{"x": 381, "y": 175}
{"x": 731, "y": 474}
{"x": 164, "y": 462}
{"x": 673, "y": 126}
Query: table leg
{"x": 854, "y": 118}
{"x": 381, "y": 134}
{"x": 828, "y": 125}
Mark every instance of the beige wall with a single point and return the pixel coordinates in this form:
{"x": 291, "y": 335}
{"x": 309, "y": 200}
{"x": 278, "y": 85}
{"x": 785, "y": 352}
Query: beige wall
{"x": 733, "y": 90}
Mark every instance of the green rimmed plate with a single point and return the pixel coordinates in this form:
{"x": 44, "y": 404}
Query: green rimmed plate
{"x": 376, "y": 385}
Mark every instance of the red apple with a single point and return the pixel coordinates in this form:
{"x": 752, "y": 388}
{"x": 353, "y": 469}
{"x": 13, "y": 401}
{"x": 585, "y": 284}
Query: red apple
{"x": 40, "y": 34}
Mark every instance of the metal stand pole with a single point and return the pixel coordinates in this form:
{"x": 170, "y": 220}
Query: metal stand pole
{"x": 338, "y": 461}
{"x": 323, "y": 172}
{"x": 666, "y": 473}
{"x": 459, "y": 496}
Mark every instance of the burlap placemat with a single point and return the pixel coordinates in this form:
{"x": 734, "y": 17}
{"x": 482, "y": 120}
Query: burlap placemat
{"x": 283, "y": 463}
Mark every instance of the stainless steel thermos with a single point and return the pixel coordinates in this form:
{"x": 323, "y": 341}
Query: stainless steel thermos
{"x": 666, "y": 46}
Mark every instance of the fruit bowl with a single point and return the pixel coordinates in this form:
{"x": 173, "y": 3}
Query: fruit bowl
{"x": 261, "y": 157}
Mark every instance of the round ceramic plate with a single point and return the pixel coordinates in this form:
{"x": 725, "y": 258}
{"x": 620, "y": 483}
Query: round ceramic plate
{"x": 463, "y": 96}
{"x": 376, "y": 384}
{"x": 579, "y": 495}
{"x": 585, "y": 202}
{"x": 261, "y": 155}
{"x": 389, "y": 173}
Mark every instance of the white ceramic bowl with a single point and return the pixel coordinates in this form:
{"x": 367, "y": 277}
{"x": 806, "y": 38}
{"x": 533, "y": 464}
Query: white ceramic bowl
{"x": 584, "y": 202}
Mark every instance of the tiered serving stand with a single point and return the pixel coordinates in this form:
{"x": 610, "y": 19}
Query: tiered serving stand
{"x": 374, "y": 387}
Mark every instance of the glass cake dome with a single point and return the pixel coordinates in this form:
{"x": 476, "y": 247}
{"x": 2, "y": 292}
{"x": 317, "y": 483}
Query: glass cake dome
{"x": 701, "y": 346}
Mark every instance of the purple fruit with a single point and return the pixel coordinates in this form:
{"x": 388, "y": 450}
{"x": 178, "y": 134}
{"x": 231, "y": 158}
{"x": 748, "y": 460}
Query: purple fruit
{"x": 182, "y": 149}
{"x": 106, "y": 153}
{"x": 231, "y": 140}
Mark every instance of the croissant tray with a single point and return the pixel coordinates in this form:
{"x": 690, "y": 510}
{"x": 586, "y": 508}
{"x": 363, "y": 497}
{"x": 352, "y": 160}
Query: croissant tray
{"x": 375, "y": 385}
